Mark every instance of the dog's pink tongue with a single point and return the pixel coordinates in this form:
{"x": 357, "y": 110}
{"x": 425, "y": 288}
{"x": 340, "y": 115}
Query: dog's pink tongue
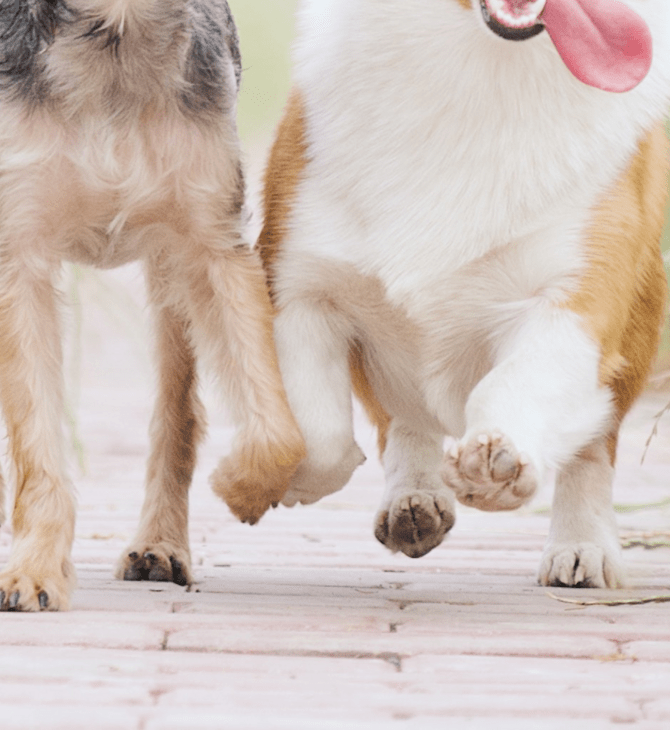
{"x": 603, "y": 42}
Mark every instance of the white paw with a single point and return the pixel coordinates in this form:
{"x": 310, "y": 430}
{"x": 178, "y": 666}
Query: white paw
{"x": 488, "y": 473}
{"x": 582, "y": 565}
{"x": 311, "y": 481}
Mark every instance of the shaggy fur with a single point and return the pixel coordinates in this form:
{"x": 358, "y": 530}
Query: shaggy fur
{"x": 466, "y": 236}
{"x": 118, "y": 142}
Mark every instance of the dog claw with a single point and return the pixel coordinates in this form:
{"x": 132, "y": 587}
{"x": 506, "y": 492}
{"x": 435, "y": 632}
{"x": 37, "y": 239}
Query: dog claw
{"x": 43, "y": 598}
{"x": 132, "y": 572}
{"x": 14, "y": 601}
{"x": 2, "y": 599}
{"x": 178, "y": 575}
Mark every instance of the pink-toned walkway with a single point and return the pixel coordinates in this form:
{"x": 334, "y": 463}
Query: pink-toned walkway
{"x": 304, "y": 622}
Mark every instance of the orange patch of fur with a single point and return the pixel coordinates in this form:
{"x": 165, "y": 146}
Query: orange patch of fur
{"x": 621, "y": 296}
{"x": 363, "y": 391}
{"x": 288, "y": 159}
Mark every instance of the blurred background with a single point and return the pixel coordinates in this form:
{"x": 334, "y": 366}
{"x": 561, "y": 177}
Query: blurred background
{"x": 266, "y": 29}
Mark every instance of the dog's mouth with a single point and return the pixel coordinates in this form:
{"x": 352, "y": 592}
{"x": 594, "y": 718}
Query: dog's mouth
{"x": 604, "y": 43}
{"x": 513, "y": 20}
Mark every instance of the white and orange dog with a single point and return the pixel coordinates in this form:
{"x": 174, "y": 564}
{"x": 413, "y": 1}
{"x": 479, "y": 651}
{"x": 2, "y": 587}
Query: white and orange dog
{"x": 463, "y": 212}
{"x": 118, "y": 142}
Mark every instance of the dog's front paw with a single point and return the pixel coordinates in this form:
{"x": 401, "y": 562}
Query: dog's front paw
{"x": 415, "y": 523}
{"x": 37, "y": 590}
{"x": 313, "y": 481}
{"x": 160, "y": 562}
{"x": 582, "y": 565}
{"x": 486, "y": 472}
{"x": 257, "y": 477}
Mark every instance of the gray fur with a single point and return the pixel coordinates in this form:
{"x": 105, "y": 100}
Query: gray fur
{"x": 183, "y": 50}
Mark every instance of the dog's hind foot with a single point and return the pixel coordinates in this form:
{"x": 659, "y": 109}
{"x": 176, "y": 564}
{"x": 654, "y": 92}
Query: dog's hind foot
{"x": 256, "y": 477}
{"x": 160, "y": 562}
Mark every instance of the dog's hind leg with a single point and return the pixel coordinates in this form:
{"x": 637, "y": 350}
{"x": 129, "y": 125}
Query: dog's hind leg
{"x": 39, "y": 573}
{"x": 160, "y": 550}
{"x": 231, "y": 323}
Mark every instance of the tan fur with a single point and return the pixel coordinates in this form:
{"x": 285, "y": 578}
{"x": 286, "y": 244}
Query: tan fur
{"x": 177, "y": 427}
{"x": 151, "y": 182}
{"x": 31, "y": 394}
{"x": 624, "y": 312}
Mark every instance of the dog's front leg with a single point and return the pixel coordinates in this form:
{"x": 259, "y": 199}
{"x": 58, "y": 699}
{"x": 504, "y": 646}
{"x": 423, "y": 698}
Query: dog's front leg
{"x": 39, "y": 573}
{"x": 418, "y": 508}
{"x": 160, "y": 550}
{"x": 542, "y": 406}
{"x": 583, "y": 548}
{"x": 231, "y": 323}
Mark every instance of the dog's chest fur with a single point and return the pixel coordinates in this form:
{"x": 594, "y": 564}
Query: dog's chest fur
{"x": 456, "y": 169}
{"x": 105, "y": 105}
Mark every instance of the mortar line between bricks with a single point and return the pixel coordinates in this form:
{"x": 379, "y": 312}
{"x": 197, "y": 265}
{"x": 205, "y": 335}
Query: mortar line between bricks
{"x": 393, "y": 658}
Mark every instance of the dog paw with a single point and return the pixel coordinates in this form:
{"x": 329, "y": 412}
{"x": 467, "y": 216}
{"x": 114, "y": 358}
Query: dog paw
{"x": 23, "y": 591}
{"x": 486, "y": 472}
{"x": 256, "y": 478}
{"x": 312, "y": 482}
{"x": 581, "y": 565}
{"x": 415, "y": 523}
{"x": 158, "y": 562}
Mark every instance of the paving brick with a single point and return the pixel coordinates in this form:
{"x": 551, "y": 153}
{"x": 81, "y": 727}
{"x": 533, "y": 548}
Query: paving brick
{"x": 78, "y": 630}
{"x": 655, "y": 651}
{"x": 70, "y": 717}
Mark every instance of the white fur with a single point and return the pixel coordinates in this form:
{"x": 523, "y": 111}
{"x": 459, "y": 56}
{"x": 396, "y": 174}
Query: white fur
{"x": 426, "y": 133}
{"x": 583, "y": 543}
{"x": 313, "y": 352}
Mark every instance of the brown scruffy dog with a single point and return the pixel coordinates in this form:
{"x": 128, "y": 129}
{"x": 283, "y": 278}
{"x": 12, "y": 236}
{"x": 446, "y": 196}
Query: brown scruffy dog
{"x": 118, "y": 142}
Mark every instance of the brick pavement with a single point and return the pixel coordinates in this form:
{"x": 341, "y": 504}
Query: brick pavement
{"x": 304, "y": 621}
